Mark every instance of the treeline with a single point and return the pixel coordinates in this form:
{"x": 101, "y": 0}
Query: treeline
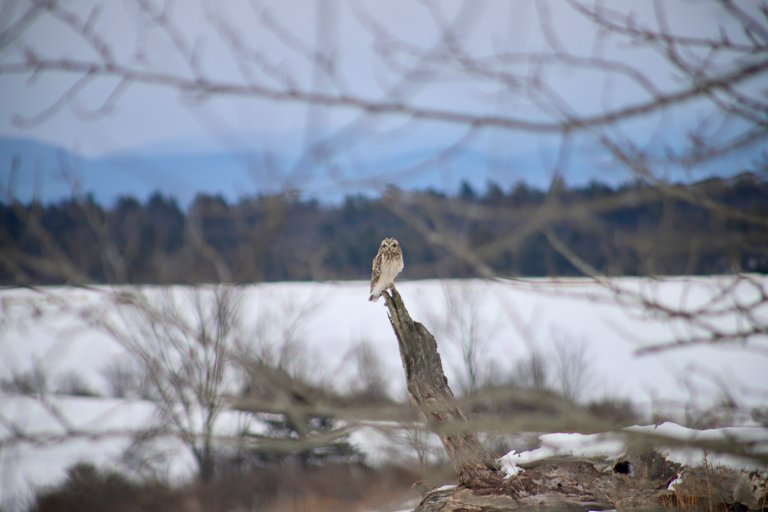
{"x": 714, "y": 226}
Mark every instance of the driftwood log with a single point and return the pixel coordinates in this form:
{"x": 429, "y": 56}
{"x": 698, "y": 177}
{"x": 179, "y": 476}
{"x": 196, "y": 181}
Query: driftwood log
{"x": 429, "y": 390}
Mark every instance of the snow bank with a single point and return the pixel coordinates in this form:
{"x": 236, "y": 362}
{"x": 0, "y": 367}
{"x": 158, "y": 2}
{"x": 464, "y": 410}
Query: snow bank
{"x": 613, "y": 445}
{"x": 559, "y": 444}
{"x": 755, "y": 437}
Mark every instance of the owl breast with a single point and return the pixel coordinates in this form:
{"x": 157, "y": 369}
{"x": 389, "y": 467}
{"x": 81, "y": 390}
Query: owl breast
{"x": 391, "y": 266}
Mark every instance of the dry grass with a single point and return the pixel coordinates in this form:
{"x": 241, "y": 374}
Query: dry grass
{"x": 683, "y": 502}
{"x": 281, "y": 489}
{"x": 712, "y": 489}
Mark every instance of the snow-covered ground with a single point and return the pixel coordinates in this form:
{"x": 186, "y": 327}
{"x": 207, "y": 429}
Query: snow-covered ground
{"x": 510, "y": 321}
{"x": 612, "y": 445}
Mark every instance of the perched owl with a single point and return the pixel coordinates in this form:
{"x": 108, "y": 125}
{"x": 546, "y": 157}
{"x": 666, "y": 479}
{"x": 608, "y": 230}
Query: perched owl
{"x": 386, "y": 265}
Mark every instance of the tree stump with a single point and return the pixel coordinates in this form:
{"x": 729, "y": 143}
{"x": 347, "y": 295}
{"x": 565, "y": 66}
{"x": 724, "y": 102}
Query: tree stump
{"x": 429, "y": 390}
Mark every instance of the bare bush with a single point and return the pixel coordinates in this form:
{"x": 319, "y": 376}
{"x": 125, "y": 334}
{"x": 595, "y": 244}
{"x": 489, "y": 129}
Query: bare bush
{"x": 182, "y": 340}
{"x": 90, "y": 489}
{"x": 125, "y": 379}
{"x": 463, "y": 324}
{"x": 616, "y": 410}
{"x": 531, "y": 372}
{"x": 32, "y": 382}
{"x": 75, "y": 385}
{"x": 573, "y": 370}
{"x": 369, "y": 386}
{"x": 565, "y": 369}
{"x": 276, "y": 339}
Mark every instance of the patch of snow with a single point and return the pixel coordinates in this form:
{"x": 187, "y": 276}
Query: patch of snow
{"x": 756, "y": 437}
{"x": 583, "y": 445}
{"x": 612, "y": 445}
{"x": 558, "y": 444}
{"x": 509, "y": 464}
{"x": 674, "y": 483}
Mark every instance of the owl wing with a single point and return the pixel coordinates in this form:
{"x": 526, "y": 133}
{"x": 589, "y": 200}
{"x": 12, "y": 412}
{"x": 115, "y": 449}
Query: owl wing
{"x": 376, "y": 270}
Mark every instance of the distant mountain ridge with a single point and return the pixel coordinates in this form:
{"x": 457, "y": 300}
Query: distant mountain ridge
{"x": 47, "y": 172}
{"x": 38, "y": 170}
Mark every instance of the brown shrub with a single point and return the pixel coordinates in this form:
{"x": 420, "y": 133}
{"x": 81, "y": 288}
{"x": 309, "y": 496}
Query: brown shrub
{"x": 292, "y": 489}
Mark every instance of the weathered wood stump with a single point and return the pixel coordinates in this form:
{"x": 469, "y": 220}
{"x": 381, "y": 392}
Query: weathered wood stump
{"x": 557, "y": 483}
{"x": 429, "y": 390}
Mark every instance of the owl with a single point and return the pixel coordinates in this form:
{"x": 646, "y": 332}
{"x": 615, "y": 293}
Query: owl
{"x": 386, "y": 265}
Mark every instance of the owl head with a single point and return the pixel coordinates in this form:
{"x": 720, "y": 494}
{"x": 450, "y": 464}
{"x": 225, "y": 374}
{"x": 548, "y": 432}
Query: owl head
{"x": 389, "y": 245}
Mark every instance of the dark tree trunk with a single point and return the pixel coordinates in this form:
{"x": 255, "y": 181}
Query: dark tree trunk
{"x": 429, "y": 390}
{"x": 205, "y": 465}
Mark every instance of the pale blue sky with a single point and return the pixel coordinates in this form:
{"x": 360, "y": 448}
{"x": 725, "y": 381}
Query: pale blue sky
{"x": 370, "y": 44}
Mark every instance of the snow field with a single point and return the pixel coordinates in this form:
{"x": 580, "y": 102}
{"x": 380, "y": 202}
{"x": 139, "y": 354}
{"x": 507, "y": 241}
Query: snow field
{"x": 324, "y": 322}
